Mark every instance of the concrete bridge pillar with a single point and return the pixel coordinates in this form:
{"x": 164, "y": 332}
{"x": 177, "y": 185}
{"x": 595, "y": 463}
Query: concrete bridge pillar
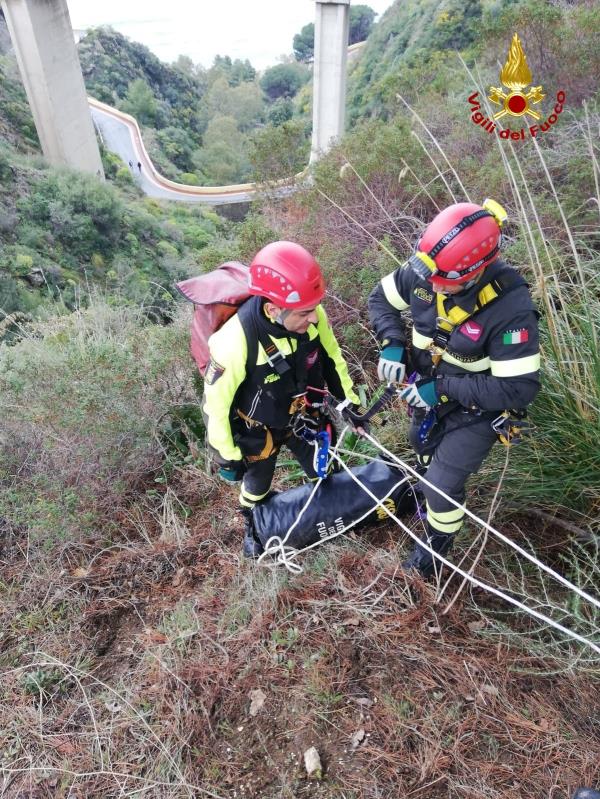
{"x": 329, "y": 73}
{"x": 42, "y": 36}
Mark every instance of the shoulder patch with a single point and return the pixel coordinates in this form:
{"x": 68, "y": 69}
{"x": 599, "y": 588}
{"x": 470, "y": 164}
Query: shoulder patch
{"x": 423, "y": 294}
{"x": 311, "y": 358}
{"x": 515, "y": 336}
{"x": 472, "y": 330}
{"x": 213, "y": 372}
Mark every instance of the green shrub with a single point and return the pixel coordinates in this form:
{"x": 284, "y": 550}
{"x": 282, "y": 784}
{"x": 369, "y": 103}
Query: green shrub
{"x": 189, "y": 179}
{"x": 83, "y": 214}
{"x": 84, "y": 392}
{"x": 123, "y": 177}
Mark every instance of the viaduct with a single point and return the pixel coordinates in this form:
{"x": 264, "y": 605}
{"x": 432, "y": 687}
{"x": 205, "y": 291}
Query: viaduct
{"x": 46, "y": 53}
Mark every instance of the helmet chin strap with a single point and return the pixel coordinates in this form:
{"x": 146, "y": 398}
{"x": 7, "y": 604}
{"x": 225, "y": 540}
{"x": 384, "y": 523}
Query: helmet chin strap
{"x": 283, "y": 315}
{"x": 465, "y": 286}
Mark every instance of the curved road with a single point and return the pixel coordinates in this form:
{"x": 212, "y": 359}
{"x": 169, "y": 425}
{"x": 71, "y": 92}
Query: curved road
{"x": 120, "y": 134}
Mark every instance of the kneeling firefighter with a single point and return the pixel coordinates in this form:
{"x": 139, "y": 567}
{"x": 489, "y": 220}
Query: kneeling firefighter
{"x": 473, "y": 346}
{"x": 264, "y": 385}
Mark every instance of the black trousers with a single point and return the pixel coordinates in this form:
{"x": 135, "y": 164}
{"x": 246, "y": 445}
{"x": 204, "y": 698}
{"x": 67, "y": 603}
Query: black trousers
{"x": 260, "y": 447}
{"x": 456, "y": 448}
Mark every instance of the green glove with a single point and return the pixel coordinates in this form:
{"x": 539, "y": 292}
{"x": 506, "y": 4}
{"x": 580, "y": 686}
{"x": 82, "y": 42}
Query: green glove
{"x": 422, "y": 394}
{"x": 231, "y": 472}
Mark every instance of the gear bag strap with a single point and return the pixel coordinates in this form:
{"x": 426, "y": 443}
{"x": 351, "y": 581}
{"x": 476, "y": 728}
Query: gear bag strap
{"x": 255, "y": 335}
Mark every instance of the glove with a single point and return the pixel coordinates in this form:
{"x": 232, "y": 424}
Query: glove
{"x": 351, "y": 414}
{"x": 232, "y": 471}
{"x": 422, "y": 394}
{"x": 391, "y": 367}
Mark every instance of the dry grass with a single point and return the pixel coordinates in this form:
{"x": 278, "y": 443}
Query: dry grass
{"x": 131, "y": 676}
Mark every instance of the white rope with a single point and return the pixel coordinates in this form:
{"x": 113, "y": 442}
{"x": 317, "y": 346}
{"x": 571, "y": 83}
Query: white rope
{"x": 501, "y": 536}
{"x": 276, "y": 545}
{"x": 486, "y": 586}
{"x": 286, "y": 555}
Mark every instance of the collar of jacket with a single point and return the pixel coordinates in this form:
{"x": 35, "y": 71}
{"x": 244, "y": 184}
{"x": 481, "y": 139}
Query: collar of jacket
{"x": 467, "y": 300}
{"x": 274, "y": 328}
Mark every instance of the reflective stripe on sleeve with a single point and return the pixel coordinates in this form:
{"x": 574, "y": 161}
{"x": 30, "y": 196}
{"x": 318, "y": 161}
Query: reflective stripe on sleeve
{"x": 420, "y": 341}
{"x": 392, "y": 295}
{"x": 248, "y": 500}
{"x": 516, "y": 366}
{"x": 479, "y": 365}
{"x": 449, "y": 521}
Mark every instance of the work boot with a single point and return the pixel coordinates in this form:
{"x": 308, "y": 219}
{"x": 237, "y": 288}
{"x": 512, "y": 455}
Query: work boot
{"x": 251, "y": 548}
{"x": 421, "y": 560}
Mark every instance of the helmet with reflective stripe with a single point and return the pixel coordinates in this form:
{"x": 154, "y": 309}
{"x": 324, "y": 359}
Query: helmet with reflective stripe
{"x": 460, "y": 242}
{"x": 287, "y": 275}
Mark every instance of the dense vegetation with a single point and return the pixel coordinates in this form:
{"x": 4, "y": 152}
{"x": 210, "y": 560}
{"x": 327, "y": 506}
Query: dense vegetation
{"x": 135, "y": 645}
{"x": 197, "y": 123}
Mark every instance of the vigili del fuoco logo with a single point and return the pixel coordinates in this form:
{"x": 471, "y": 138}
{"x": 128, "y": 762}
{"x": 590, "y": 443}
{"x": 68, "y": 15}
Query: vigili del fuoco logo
{"x": 516, "y": 76}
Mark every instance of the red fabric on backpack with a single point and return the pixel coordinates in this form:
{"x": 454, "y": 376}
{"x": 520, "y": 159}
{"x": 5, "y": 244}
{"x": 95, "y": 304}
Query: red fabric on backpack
{"x": 216, "y": 297}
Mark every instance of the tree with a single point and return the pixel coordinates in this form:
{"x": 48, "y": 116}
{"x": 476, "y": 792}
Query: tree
{"x": 234, "y": 72}
{"x": 282, "y": 110}
{"x": 222, "y": 159}
{"x": 241, "y": 72}
{"x": 304, "y": 43}
{"x": 283, "y": 80}
{"x": 361, "y": 22}
{"x": 177, "y": 145}
{"x": 140, "y": 102}
{"x": 279, "y": 152}
{"x": 185, "y": 64}
{"x": 246, "y": 104}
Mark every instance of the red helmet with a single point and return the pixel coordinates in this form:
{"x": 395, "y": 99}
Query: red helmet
{"x": 288, "y": 275}
{"x": 460, "y": 242}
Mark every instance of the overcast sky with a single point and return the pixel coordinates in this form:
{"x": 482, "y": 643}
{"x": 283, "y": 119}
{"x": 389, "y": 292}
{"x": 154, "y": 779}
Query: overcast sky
{"x": 260, "y": 30}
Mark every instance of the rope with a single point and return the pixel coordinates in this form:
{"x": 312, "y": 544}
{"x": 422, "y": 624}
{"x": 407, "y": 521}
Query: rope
{"x": 286, "y": 555}
{"x": 486, "y": 586}
{"x": 501, "y": 536}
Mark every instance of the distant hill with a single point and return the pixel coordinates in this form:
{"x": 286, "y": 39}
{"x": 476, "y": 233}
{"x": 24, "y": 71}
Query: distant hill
{"x": 110, "y": 62}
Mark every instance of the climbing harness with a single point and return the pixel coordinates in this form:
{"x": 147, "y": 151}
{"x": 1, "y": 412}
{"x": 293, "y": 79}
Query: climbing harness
{"x": 512, "y": 427}
{"x": 448, "y": 321}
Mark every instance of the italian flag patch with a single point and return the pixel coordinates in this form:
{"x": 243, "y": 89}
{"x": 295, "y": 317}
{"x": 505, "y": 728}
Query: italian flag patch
{"x": 515, "y": 336}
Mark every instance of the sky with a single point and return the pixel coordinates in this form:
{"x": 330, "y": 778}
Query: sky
{"x": 260, "y": 30}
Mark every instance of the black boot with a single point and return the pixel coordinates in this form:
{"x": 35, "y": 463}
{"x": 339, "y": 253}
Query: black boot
{"x": 252, "y": 548}
{"x": 421, "y": 560}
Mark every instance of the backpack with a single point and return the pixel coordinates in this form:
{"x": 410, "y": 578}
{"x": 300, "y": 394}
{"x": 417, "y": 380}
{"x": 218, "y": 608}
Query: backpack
{"x": 216, "y": 295}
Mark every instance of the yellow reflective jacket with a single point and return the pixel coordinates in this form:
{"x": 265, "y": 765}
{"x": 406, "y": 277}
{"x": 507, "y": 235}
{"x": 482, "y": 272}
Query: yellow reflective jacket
{"x": 232, "y": 384}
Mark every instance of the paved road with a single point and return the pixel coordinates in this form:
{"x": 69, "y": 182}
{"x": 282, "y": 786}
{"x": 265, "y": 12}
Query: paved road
{"x": 121, "y": 136}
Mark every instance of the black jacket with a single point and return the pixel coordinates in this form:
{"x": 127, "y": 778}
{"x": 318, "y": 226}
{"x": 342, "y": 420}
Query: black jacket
{"x": 492, "y": 359}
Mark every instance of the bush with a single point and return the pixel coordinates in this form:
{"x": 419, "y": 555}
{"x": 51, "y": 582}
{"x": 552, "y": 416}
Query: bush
{"x": 83, "y": 214}
{"x": 123, "y": 177}
{"x": 84, "y": 392}
{"x": 283, "y": 80}
{"x": 279, "y": 152}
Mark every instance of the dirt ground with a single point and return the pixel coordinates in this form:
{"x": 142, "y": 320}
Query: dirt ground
{"x": 166, "y": 666}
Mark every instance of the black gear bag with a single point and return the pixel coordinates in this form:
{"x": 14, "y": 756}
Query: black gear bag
{"x": 338, "y": 502}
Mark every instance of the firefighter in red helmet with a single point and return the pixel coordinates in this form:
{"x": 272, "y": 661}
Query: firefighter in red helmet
{"x": 472, "y": 348}
{"x": 266, "y": 362}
